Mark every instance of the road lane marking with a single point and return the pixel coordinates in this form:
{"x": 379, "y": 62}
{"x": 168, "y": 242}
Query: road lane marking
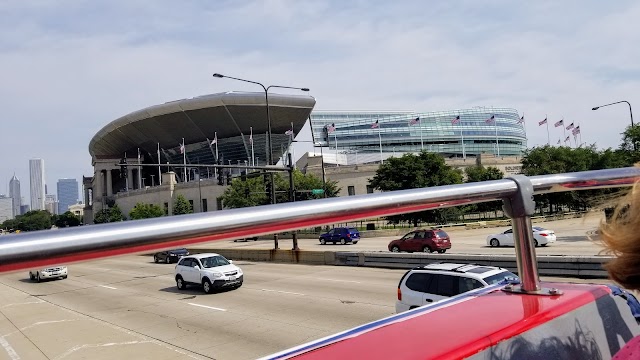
{"x": 9, "y": 349}
{"x": 23, "y": 303}
{"x": 208, "y": 307}
{"x": 86, "y": 346}
{"x": 283, "y": 292}
{"x": 347, "y": 281}
{"x": 108, "y": 287}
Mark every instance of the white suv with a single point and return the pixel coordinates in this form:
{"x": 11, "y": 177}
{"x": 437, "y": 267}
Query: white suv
{"x": 209, "y": 270}
{"x": 54, "y": 272}
{"x": 434, "y": 282}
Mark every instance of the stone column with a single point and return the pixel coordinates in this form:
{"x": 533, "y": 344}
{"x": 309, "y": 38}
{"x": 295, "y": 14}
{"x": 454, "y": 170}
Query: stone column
{"x": 169, "y": 178}
{"x": 109, "y": 183}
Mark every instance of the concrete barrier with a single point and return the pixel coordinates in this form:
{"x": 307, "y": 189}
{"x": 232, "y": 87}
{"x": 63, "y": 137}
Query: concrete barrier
{"x": 549, "y": 265}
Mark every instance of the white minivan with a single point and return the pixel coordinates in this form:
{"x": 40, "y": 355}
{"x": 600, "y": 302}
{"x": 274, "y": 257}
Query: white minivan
{"x": 434, "y": 282}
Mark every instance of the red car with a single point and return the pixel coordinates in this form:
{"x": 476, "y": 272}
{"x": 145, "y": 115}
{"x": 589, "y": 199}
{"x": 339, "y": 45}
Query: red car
{"x": 434, "y": 240}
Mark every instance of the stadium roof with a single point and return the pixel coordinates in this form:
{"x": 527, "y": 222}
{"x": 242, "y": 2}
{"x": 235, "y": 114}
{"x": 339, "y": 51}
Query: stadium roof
{"x": 229, "y": 114}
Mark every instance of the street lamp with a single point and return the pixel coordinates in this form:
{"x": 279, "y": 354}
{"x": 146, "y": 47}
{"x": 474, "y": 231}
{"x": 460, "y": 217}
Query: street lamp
{"x": 266, "y": 99}
{"x": 618, "y": 102}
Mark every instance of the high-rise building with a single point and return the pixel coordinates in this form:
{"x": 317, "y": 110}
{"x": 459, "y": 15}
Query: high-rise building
{"x": 67, "y": 194}
{"x": 6, "y": 208}
{"x": 36, "y": 177}
{"x": 14, "y": 193}
{"x": 24, "y": 209}
{"x": 50, "y": 203}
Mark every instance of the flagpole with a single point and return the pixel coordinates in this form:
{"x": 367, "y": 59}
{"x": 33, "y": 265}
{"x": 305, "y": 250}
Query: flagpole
{"x": 495, "y": 124}
{"x": 139, "y": 171}
{"x": 564, "y": 130}
{"x": 215, "y": 170}
{"x": 421, "y": 141}
{"x": 335, "y": 137}
{"x": 464, "y": 154}
{"x": 184, "y": 160}
{"x": 380, "y": 139}
{"x": 159, "y": 169}
{"x": 253, "y": 157}
{"x": 548, "y": 139}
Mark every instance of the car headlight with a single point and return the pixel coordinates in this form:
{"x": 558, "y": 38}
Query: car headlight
{"x": 217, "y": 275}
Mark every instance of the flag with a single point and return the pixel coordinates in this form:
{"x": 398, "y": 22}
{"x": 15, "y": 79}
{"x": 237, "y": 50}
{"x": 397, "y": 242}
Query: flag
{"x": 331, "y": 128}
{"x": 576, "y": 131}
{"x": 570, "y": 126}
{"x": 540, "y": 123}
{"x": 491, "y": 120}
{"x": 251, "y": 136}
{"x": 521, "y": 119}
{"x": 289, "y": 132}
{"x": 375, "y": 125}
{"x": 414, "y": 121}
{"x": 455, "y": 120}
{"x": 215, "y": 139}
{"x": 567, "y": 139}
{"x": 559, "y": 123}
{"x": 182, "y": 148}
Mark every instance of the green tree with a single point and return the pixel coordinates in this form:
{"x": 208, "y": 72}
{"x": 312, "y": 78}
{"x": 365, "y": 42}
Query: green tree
{"x": 479, "y": 173}
{"x": 112, "y": 214}
{"x": 417, "y": 171}
{"x": 252, "y": 191}
{"x": 630, "y": 146}
{"x": 145, "y": 211}
{"x": 68, "y": 219}
{"x": 182, "y": 206}
{"x": 31, "y": 221}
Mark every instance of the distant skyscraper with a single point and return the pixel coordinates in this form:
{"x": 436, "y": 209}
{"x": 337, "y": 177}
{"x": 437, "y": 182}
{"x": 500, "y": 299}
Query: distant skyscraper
{"x": 6, "y": 208}
{"x": 36, "y": 177}
{"x": 14, "y": 193}
{"x": 67, "y": 194}
{"x": 50, "y": 204}
{"x": 24, "y": 209}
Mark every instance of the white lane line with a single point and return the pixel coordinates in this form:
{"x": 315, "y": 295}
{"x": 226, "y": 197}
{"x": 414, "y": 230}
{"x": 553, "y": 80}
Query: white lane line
{"x": 108, "y": 287}
{"x": 9, "y": 349}
{"x": 283, "y": 292}
{"x": 23, "y": 303}
{"x": 85, "y": 346}
{"x": 347, "y": 281}
{"x": 208, "y": 307}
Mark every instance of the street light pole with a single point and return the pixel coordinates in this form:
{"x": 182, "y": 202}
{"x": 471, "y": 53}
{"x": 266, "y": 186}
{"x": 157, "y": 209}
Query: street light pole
{"x": 618, "y": 102}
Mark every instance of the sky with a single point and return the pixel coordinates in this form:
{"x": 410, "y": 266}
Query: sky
{"x": 68, "y": 68}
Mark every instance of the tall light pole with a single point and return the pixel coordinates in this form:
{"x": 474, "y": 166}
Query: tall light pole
{"x": 618, "y": 102}
{"x": 266, "y": 99}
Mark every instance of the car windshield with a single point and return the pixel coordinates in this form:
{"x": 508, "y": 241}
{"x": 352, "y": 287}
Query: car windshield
{"x": 441, "y": 234}
{"x": 352, "y": 230}
{"x": 214, "y": 261}
{"x": 538, "y": 228}
{"x": 493, "y": 279}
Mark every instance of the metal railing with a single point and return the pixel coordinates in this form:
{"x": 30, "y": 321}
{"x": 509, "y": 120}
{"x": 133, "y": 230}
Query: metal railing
{"x": 47, "y": 247}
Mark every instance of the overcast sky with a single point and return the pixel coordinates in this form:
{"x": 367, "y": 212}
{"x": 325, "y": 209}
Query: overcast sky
{"x": 67, "y": 68}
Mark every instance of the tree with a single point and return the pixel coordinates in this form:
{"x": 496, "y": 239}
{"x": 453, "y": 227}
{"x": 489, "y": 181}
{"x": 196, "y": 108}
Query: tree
{"x": 253, "y": 190}
{"x": 112, "y": 214}
{"x": 182, "y": 206}
{"x": 417, "y": 171}
{"x": 145, "y": 211}
{"x": 630, "y": 147}
{"x": 480, "y": 173}
{"x": 68, "y": 219}
{"x": 31, "y": 221}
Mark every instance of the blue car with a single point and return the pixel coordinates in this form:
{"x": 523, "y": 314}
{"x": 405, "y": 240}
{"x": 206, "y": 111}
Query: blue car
{"x": 342, "y": 235}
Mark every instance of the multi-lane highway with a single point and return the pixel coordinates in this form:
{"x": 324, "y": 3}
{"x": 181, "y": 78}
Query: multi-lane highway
{"x": 129, "y": 307}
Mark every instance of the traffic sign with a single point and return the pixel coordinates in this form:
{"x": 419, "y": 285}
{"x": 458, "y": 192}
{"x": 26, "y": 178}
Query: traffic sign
{"x": 317, "y": 191}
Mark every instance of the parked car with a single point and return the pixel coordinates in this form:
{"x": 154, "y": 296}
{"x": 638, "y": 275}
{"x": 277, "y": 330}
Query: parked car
{"x": 432, "y": 240}
{"x": 54, "y": 272}
{"x": 254, "y": 238}
{"x": 209, "y": 270}
{"x": 170, "y": 256}
{"x": 541, "y": 237}
{"x": 434, "y": 282}
{"x": 341, "y": 235}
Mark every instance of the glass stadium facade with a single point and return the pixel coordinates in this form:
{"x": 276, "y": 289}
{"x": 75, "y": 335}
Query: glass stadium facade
{"x": 369, "y": 136}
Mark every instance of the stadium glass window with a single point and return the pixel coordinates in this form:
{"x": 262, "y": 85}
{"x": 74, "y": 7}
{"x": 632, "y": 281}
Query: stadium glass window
{"x": 351, "y": 190}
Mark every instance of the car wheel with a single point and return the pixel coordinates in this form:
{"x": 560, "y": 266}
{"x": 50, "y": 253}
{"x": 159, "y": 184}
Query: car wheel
{"x": 38, "y": 277}
{"x": 31, "y": 277}
{"x": 395, "y": 249}
{"x": 354, "y": 242}
{"x": 426, "y": 249}
{"x": 168, "y": 260}
{"x": 180, "y": 283}
{"x": 64, "y": 277}
{"x": 155, "y": 259}
{"x": 343, "y": 241}
{"x": 237, "y": 286}
{"x": 535, "y": 242}
{"x": 494, "y": 242}
{"x": 442, "y": 251}
{"x": 323, "y": 241}
{"x": 206, "y": 286}
{"x": 543, "y": 245}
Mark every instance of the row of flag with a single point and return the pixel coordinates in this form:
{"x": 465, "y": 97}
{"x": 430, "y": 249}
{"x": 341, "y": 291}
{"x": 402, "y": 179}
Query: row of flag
{"x": 215, "y": 138}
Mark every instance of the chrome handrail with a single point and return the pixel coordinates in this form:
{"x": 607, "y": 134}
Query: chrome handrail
{"x": 47, "y": 247}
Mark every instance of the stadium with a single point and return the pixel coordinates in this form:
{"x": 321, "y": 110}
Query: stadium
{"x": 165, "y": 146}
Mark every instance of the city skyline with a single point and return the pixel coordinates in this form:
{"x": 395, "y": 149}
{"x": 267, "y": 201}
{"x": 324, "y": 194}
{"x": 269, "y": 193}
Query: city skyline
{"x": 37, "y": 185}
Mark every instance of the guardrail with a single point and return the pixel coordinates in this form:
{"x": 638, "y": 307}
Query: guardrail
{"x": 48, "y": 247}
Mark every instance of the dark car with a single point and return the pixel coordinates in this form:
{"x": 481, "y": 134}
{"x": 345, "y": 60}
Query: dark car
{"x": 340, "y": 235}
{"x": 170, "y": 256}
{"x": 434, "y": 240}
